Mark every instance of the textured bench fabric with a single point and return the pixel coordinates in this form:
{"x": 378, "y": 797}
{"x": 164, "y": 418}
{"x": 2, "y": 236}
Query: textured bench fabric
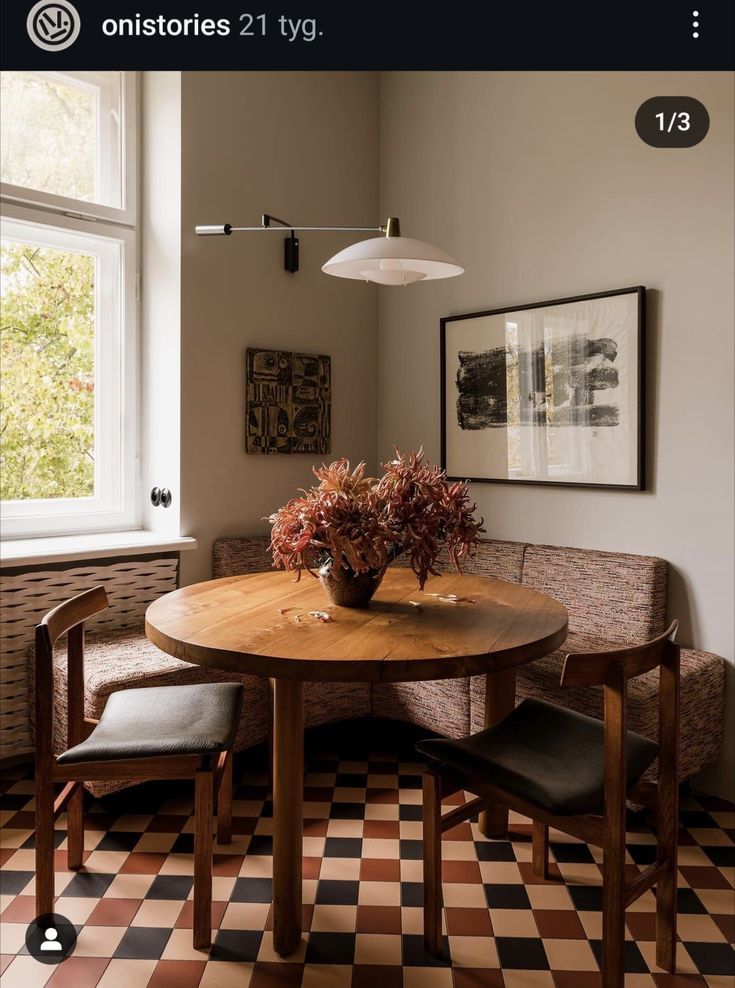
{"x": 492, "y": 558}
{"x": 236, "y": 556}
{"x": 441, "y": 705}
{"x": 541, "y": 679}
{"x": 323, "y": 702}
{"x": 615, "y": 595}
{"x": 444, "y": 705}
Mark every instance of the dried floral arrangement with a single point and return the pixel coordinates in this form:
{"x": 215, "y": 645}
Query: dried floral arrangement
{"x": 360, "y": 524}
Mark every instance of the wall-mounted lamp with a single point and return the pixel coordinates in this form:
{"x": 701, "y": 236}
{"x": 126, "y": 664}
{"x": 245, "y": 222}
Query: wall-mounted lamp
{"x": 387, "y": 260}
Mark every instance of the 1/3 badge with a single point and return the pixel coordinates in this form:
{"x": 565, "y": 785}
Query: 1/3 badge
{"x": 672, "y": 121}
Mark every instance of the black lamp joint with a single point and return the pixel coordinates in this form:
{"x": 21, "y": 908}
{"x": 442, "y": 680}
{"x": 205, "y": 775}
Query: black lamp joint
{"x": 291, "y": 253}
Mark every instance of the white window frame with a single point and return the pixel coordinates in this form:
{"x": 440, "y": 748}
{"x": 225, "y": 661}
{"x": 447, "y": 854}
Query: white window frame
{"x": 107, "y": 167}
{"x": 110, "y": 234}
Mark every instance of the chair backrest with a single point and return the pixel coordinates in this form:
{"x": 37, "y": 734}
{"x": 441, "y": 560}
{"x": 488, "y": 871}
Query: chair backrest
{"x": 593, "y": 668}
{"x": 612, "y": 669}
{"x": 67, "y": 618}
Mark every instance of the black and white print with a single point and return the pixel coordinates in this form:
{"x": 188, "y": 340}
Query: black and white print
{"x": 547, "y": 393}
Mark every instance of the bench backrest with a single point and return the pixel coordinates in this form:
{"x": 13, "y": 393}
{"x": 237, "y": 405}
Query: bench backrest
{"x": 613, "y": 595}
{"x": 492, "y": 558}
{"x": 238, "y": 555}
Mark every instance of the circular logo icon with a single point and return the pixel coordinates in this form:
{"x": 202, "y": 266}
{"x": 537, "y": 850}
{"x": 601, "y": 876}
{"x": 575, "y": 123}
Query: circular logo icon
{"x": 51, "y": 938}
{"x": 53, "y": 24}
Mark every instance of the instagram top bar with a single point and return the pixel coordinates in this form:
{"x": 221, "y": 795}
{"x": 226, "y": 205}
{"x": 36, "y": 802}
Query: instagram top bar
{"x": 236, "y": 34}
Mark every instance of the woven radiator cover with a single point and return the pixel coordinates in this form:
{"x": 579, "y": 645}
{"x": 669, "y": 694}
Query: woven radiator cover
{"x": 131, "y": 585}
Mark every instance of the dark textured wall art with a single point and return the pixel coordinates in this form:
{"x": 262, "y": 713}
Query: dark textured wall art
{"x": 548, "y": 393}
{"x": 288, "y": 399}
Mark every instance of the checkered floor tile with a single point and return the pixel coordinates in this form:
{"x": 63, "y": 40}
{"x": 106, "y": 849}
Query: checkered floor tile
{"x": 132, "y": 903}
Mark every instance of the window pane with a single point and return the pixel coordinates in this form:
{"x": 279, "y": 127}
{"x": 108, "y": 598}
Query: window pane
{"x": 61, "y": 134}
{"x": 47, "y": 388}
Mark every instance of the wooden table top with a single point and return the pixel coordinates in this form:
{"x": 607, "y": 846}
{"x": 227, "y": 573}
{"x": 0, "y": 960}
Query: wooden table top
{"x": 260, "y": 624}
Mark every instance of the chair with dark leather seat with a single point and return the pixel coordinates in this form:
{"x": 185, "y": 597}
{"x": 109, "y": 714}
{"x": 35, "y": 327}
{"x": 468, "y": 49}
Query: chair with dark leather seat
{"x": 164, "y": 732}
{"x": 574, "y": 773}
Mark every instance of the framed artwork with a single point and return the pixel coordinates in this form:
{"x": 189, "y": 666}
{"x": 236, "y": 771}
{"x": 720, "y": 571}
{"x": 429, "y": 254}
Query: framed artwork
{"x": 547, "y": 393}
{"x": 288, "y": 402}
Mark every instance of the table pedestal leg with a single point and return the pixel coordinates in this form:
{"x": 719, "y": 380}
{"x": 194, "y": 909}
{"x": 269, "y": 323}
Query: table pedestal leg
{"x": 500, "y": 699}
{"x": 288, "y": 797}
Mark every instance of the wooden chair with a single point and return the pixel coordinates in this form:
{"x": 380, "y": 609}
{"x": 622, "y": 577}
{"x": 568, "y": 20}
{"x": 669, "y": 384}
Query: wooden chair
{"x": 574, "y": 773}
{"x": 166, "y": 732}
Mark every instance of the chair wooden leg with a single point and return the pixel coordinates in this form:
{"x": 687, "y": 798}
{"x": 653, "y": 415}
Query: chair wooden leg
{"x": 666, "y": 892}
{"x": 203, "y": 821}
{"x": 613, "y": 913}
{"x": 75, "y": 829}
{"x": 224, "y": 803}
{"x": 500, "y": 699}
{"x": 667, "y": 811}
{"x": 666, "y": 920}
{"x": 433, "y": 939}
{"x": 44, "y": 845}
{"x": 540, "y": 849}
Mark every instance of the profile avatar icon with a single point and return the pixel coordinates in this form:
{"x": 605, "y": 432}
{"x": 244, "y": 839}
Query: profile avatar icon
{"x": 51, "y": 942}
{"x": 51, "y": 938}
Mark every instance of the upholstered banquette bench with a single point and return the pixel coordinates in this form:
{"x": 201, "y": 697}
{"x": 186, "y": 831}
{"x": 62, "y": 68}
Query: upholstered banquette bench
{"x": 612, "y": 598}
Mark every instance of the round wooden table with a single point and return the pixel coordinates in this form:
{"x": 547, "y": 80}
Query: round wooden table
{"x": 260, "y": 624}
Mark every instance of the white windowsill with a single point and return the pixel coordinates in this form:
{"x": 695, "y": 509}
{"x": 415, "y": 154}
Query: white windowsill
{"x": 64, "y": 548}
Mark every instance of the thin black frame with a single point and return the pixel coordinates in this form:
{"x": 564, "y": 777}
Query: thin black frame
{"x": 640, "y": 483}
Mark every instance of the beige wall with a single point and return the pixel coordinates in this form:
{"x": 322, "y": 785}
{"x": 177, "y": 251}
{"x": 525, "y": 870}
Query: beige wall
{"x": 539, "y": 184}
{"x": 303, "y": 146}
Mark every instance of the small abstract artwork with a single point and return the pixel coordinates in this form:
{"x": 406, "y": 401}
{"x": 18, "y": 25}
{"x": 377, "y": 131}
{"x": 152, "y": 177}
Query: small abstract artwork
{"x": 546, "y": 393}
{"x": 288, "y": 400}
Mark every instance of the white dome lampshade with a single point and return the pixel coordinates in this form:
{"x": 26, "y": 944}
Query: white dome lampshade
{"x": 392, "y": 260}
